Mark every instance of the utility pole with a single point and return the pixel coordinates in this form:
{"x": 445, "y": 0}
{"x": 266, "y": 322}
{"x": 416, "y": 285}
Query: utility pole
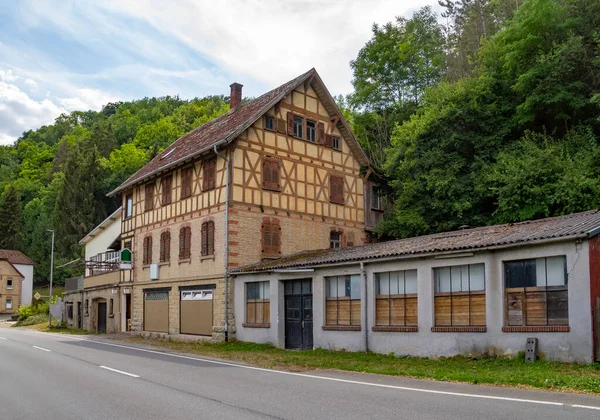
{"x": 51, "y": 273}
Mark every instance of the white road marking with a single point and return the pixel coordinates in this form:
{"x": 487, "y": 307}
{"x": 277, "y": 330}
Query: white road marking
{"x": 403, "y": 388}
{"x": 40, "y": 348}
{"x": 589, "y": 407}
{"x": 119, "y": 371}
{"x": 2, "y": 338}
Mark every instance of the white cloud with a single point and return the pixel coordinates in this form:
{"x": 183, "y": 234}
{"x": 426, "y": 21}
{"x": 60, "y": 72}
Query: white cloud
{"x": 86, "y": 99}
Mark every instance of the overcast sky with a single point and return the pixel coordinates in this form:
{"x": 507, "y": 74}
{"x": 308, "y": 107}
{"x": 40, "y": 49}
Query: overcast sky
{"x": 60, "y": 55}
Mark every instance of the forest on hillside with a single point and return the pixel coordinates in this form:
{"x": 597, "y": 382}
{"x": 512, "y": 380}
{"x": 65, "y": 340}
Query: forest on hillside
{"x": 484, "y": 114}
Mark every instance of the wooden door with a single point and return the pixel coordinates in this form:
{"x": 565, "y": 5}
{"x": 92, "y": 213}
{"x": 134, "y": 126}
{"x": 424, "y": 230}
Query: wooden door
{"x": 101, "y": 317}
{"x": 298, "y": 314}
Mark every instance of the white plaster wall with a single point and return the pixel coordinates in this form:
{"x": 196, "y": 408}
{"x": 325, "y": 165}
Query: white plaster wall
{"x": 27, "y": 284}
{"x": 103, "y": 238}
{"x": 575, "y": 345}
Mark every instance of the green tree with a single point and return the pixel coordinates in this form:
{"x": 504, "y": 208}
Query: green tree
{"x": 11, "y": 220}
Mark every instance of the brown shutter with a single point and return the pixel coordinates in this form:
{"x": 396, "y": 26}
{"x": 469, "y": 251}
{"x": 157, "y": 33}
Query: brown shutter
{"x": 266, "y": 238}
{"x": 167, "y": 246}
{"x": 161, "y": 253}
{"x": 181, "y": 243}
{"x": 328, "y": 140}
{"x": 271, "y": 174}
{"x": 267, "y": 173}
{"x": 321, "y": 133}
{"x": 211, "y": 238}
{"x": 275, "y": 174}
{"x": 281, "y": 125}
{"x": 208, "y": 183}
{"x": 290, "y": 123}
{"x": 186, "y": 182}
{"x": 275, "y": 237}
{"x": 149, "y": 203}
{"x": 188, "y": 242}
{"x": 205, "y": 238}
{"x": 336, "y": 189}
{"x": 167, "y": 186}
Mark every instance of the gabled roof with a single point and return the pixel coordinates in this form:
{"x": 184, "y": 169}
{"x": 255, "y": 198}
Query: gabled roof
{"x": 116, "y": 215}
{"x": 573, "y": 226}
{"x": 224, "y": 129}
{"x": 13, "y": 267}
{"x": 15, "y": 257}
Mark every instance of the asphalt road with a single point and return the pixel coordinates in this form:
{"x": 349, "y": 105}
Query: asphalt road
{"x": 47, "y": 376}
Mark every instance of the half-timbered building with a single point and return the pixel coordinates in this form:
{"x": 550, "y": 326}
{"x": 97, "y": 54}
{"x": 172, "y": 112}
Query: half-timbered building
{"x": 275, "y": 175}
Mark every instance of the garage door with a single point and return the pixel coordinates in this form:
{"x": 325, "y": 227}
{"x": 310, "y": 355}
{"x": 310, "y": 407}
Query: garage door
{"x": 196, "y": 312}
{"x": 156, "y": 311}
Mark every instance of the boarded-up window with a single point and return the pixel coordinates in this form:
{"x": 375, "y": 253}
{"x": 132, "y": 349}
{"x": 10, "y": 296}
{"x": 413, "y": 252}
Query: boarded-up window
{"x": 336, "y": 189}
{"x": 208, "y": 238}
{"x": 335, "y": 240}
{"x": 271, "y": 238}
{"x": 147, "y": 251}
{"x": 167, "y": 187}
{"x": 185, "y": 241}
{"x": 258, "y": 309}
{"x": 186, "y": 182}
{"x": 165, "y": 246}
{"x": 149, "y": 201}
{"x": 460, "y": 295}
{"x": 270, "y": 173}
{"x": 210, "y": 174}
{"x": 342, "y": 302}
{"x": 536, "y": 292}
{"x": 396, "y": 298}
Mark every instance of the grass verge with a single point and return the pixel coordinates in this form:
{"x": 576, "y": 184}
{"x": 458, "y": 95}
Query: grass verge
{"x": 567, "y": 377}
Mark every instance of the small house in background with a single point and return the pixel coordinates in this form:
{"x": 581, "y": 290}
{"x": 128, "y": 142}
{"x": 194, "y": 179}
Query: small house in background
{"x": 469, "y": 292}
{"x": 24, "y": 265}
{"x": 100, "y": 300}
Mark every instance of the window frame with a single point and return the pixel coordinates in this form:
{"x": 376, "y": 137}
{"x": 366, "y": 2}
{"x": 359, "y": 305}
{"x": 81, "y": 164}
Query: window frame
{"x": 128, "y": 206}
{"x": 167, "y": 190}
{"x": 390, "y": 298}
{"x": 208, "y": 238}
{"x": 298, "y": 127}
{"x": 535, "y": 290}
{"x": 375, "y": 195}
{"x": 187, "y": 175}
{"x": 147, "y": 250}
{"x": 267, "y": 168}
{"x": 9, "y": 284}
{"x": 310, "y": 130}
{"x": 185, "y": 243}
{"x": 273, "y": 121}
{"x": 7, "y": 302}
{"x": 264, "y": 288}
{"x": 149, "y": 196}
{"x": 333, "y": 242}
{"x": 165, "y": 247}
{"x": 439, "y": 295}
{"x": 348, "y": 279}
{"x": 336, "y": 143}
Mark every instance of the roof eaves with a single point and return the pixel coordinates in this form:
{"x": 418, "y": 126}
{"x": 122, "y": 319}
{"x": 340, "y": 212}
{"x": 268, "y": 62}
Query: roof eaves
{"x": 90, "y": 233}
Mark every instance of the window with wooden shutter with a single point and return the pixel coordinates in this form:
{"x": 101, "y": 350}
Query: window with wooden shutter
{"x": 270, "y": 173}
{"x": 149, "y": 202}
{"x": 208, "y": 238}
{"x": 336, "y": 189}
{"x": 165, "y": 246}
{"x": 321, "y": 133}
{"x": 147, "y": 251}
{"x": 167, "y": 187}
{"x": 271, "y": 238}
{"x": 328, "y": 140}
{"x": 185, "y": 238}
{"x": 186, "y": 182}
{"x": 209, "y": 176}
{"x": 290, "y": 123}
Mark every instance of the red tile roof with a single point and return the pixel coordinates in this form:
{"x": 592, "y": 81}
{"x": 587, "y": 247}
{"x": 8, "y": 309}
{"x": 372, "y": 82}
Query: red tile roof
{"x": 15, "y": 257}
{"x": 224, "y": 129}
{"x": 578, "y": 225}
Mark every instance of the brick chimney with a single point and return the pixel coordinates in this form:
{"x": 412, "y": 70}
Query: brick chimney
{"x": 236, "y": 95}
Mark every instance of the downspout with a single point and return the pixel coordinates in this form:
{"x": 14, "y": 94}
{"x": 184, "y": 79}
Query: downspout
{"x": 226, "y": 272}
{"x": 363, "y": 274}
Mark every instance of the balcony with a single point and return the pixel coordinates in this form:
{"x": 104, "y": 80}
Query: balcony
{"x": 106, "y": 268}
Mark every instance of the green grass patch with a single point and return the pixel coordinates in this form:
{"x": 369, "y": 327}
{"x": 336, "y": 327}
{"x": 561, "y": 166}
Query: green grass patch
{"x": 490, "y": 371}
{"x": 32, "y": 320}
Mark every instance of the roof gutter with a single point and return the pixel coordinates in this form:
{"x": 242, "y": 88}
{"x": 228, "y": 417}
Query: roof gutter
{"x": 459, "y": 254}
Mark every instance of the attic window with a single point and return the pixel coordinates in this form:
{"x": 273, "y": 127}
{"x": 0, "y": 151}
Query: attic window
{"x": 169, "y": 153}
{"x": 335, "y": 142}
{"x": 269, "y": 123}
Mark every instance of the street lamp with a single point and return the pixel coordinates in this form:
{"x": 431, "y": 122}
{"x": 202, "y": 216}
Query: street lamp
{"x": 51, "y": 272}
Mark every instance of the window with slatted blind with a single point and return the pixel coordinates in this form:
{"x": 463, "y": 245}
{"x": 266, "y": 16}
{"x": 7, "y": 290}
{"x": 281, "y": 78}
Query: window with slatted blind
{"x": 271, "y": 238}
{"x": 167, "y": 187}
{"x": 336, "y": 189}
{"x": 270, "y": 173}
{"x": 208, "y": 238}
{"x": 258, "y": 303}
{"x": 185, "y": 242}
{"x": 209, "y": 174}
{"x": 342, "y": 300}
{"x": 165, "y": 246}
{"x": 186, "y": 182}
{"x": 460, "y": 296}
{"x": 147, "y": 250}
{"x": 149, "y": 198}
{"x": 396, "y": 299}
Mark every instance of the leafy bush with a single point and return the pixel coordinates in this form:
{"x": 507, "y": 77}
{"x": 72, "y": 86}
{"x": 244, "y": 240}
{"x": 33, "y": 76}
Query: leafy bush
{"x": 32, "y": 320}
{"x": 26, "y": 311}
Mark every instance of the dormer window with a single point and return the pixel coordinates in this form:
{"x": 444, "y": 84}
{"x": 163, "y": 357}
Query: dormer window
{"x": 269, "y": 123}
{"x": 311, "y": 131}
